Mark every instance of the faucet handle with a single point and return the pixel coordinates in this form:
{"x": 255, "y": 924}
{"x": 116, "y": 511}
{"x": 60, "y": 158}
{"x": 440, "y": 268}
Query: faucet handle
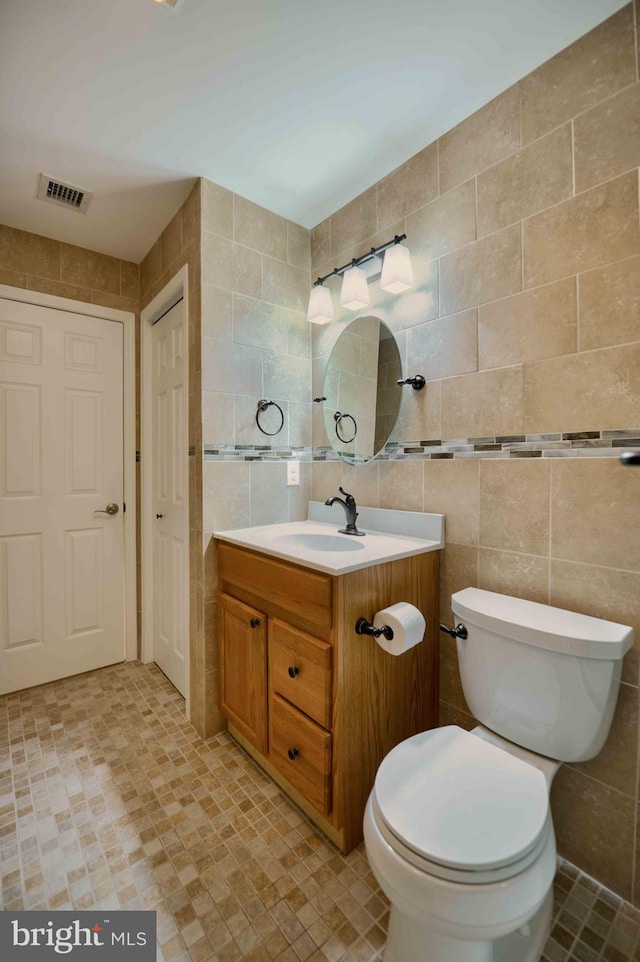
{"x": 346, "y": 494}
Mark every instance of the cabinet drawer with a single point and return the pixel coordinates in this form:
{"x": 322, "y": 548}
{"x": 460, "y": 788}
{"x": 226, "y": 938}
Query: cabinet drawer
{"x": 301, "y": 750}
{"x": 300, "y": 670}
{"x": 305, "y": 593}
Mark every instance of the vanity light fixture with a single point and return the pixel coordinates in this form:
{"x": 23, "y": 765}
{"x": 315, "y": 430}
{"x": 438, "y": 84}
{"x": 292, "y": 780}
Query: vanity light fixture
{"x": 397, "y": 272}
{"x": 320, "y": 310}
{"x": 355, "y": 291}
{"x": 396, "y": 276}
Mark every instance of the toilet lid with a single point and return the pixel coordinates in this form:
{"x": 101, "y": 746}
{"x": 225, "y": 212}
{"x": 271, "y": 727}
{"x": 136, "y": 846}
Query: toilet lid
{"x": 458, "y": 801}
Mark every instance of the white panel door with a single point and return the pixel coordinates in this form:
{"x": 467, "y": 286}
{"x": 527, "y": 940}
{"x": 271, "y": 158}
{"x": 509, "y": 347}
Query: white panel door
{"x": 170, "y": 505}
{"x": 61, "y": 461}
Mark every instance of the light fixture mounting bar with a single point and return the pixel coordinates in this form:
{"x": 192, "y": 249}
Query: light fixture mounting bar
{"x": 339, "y": 271}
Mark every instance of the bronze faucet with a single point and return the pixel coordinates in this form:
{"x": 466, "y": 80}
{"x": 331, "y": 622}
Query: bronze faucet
{"x": 349, "y": 505}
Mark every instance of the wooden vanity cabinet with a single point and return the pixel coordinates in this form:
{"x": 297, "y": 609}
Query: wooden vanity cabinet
{"x": 316, "y": 705}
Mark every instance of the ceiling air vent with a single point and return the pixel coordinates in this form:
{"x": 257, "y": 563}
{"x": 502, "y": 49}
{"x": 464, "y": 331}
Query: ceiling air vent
{"x": 66, "y": 195}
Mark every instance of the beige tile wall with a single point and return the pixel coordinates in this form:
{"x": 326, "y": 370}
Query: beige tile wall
{"x": 524, "y": 232}
{"x": 256, "y": 340}
{"x": 38, "y": 263}
{"x": 255, "y": 344}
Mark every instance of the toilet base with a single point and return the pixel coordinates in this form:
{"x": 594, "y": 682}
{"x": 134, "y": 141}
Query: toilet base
{"x": 410, "y": 940}
{"x": 518, "y": 948}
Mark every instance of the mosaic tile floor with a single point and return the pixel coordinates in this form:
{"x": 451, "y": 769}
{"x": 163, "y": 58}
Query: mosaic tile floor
{"x": 109, "y": 799}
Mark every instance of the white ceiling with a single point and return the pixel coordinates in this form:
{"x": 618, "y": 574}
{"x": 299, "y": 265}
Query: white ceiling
{"x": 297, "y": 105}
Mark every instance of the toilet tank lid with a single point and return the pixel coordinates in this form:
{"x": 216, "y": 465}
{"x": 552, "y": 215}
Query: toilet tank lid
{"x": 555, "y": 629}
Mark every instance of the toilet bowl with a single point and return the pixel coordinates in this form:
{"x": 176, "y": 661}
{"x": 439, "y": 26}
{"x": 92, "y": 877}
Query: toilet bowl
{"x": 458, "y": 828}
{"x": 459, "y": 836}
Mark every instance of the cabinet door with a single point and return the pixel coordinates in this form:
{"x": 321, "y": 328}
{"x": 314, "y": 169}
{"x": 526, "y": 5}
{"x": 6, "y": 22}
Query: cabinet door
{"x": 243, "y": 669}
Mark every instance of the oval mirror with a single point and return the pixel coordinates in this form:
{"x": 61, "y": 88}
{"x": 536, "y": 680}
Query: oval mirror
{"x": 362, "y": 398}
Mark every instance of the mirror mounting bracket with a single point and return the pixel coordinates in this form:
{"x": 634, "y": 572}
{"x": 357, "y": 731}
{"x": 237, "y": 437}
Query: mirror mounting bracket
{"x": 417, "y": 382}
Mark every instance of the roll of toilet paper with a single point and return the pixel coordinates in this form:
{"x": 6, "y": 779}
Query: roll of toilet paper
{"x": 407, "y": 624}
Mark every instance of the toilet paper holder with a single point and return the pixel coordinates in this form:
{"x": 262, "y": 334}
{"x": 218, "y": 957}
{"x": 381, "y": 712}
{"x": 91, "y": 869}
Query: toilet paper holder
{"x": 364, "y": 627}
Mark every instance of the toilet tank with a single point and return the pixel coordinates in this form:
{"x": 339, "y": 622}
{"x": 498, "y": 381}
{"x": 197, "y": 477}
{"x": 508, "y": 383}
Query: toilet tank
{"x": 542, "y": 677}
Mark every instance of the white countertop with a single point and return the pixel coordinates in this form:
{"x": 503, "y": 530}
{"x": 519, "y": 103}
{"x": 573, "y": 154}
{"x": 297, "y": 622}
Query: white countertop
{"x": 318, "y": 544}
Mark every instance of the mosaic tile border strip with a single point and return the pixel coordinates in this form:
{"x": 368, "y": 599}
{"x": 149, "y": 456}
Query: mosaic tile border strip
{"x": 561, "y": 444}
{"x": 256, "y": 452}
{"x": 568, "y": 444}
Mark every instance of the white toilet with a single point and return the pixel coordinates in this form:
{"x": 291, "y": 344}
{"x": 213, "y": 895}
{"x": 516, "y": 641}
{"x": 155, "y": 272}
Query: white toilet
{"x": 457, "y": 828}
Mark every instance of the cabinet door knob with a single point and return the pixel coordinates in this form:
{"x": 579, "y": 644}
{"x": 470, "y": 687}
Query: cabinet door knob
{"x": 254, "y": 622}
{"x": 293, "y": 754}
{"x": 293, "y": 671}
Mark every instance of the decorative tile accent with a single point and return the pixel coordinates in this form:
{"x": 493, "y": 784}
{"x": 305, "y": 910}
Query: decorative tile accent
{"x": 568, "y": 444}
{"x": 110, "y": 799}
{"x": 256, "y": 452}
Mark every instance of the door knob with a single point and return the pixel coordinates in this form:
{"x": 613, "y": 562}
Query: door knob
{"x": 293, "y": 670}
{"x": 254, "y": 622}
{"x": 159, "y": 516}
{"x": 112, "y": 508}
{"x": 293, "y": 754}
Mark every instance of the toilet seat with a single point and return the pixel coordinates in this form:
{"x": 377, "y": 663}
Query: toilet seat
{"x": 460, "y": 808}
{"x": 463, "y": 876}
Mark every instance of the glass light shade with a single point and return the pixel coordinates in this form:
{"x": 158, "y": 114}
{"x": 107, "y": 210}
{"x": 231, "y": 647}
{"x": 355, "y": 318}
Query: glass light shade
{"x": 397, "y": 272}
{"x": 320, "y": 310}
{"x": 355, "y": 291}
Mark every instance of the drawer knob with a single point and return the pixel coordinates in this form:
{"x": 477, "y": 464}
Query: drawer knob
{"x": 293, "y": 754}
{"x": 254, "y": 622}
{"x": 293, "y": 670}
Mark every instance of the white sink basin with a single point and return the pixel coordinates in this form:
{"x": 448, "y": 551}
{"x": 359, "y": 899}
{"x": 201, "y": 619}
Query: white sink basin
{"x": 317, "y": 543}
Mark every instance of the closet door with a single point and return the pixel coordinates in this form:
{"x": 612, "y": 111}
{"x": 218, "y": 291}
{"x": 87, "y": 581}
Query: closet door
{"x": 170, "y": 502}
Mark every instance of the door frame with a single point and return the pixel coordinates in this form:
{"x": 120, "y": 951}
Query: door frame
{"x": 177, "y": 287}
{"x": 128, "y": 321}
